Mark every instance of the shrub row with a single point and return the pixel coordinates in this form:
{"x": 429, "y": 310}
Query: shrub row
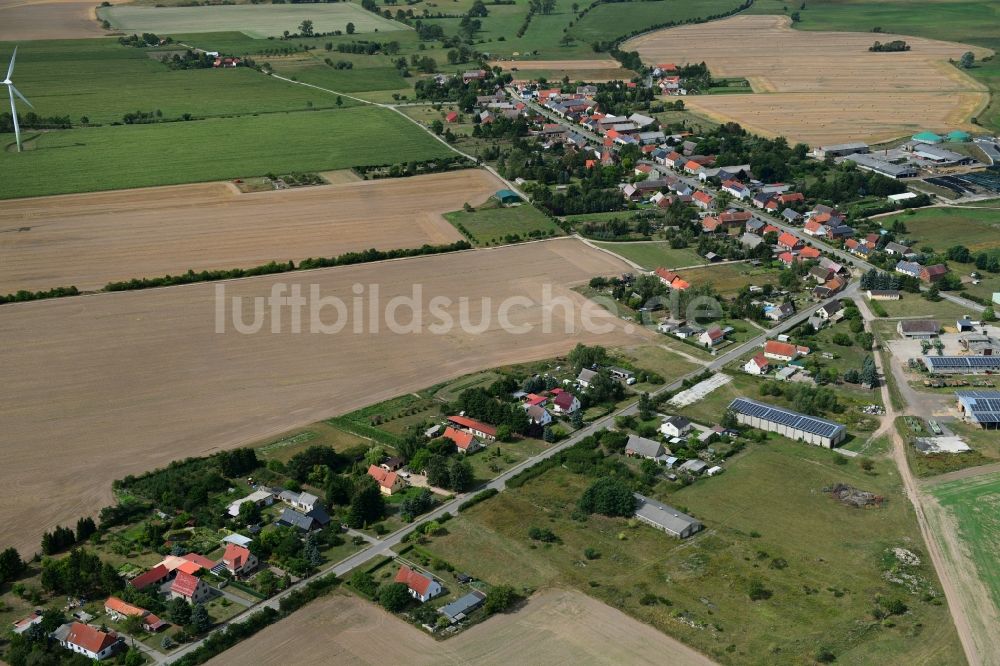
{"x": 481, "y": 496}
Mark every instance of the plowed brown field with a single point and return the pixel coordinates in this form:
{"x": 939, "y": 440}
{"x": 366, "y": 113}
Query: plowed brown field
{"x": 97, "y": 387}
{"x": 88, "y": 240}
{"x": 553, "y": 627}
{"x": 822, "y": 87}
{"x": 22, "y": 20}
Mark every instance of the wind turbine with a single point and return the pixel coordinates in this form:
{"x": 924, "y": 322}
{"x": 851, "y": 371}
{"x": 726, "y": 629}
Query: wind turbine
{"x": 11, "y": 90}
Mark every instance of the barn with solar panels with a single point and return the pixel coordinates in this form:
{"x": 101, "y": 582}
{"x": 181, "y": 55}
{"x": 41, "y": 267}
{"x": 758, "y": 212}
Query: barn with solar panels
{"x": 962, "y": 365}
{"x": 980, "y": 407}
{"x": 793, "y": 425}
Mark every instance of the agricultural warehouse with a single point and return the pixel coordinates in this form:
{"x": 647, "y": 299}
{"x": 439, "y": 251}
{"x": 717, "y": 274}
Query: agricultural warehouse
{"x": 665, "y": 518}
{"x": 507, "y": 197}
{"x": 785, "y": 422}
{"x": 918, "y": 328}
{"x": 961, "y": 365}
{"x": 980, "y": 407}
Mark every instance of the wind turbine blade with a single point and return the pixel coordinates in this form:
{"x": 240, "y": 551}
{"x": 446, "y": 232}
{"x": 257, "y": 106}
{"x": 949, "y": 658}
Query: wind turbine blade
{"x": 13, "y": 113}
{"x": 10, "y": 69}
{"x": 23, "y": 98}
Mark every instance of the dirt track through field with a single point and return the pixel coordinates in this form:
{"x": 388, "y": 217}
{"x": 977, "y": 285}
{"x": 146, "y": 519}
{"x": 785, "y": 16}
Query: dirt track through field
{"x": 98, "y": 387}
{"x": 553, "y": 627}
{"x": 822, "y": 87}
{"x": 88, "y": 240}
{"x": 23, "y": 20}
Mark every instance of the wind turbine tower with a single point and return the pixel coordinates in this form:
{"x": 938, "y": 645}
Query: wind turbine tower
{"x": 11, "y": 90}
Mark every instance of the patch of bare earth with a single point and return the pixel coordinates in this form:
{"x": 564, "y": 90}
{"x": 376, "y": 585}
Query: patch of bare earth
{"x": 98, "y": 387}
{"x": 88, "y": 240}
{"x": 822, "y": 87}
{"x": 553, "y": 627}
{"x": 23, "y": 20}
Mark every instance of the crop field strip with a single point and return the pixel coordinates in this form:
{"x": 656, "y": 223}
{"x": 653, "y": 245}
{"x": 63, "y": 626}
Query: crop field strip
{"x": 797, "y": 74}
{"x": 88, "y": 240}
{"x": 131, "y": 381}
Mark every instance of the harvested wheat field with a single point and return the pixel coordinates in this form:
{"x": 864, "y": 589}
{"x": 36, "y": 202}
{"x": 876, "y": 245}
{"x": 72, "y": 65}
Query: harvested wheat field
{"x": 21, "y": 20}
{"x": 822, "y": 87}
{"x": 553, "y": 627}
{"x": 88, "y": 240}
{"x": 115, "y": 384}
{"x": 596, "y": 71}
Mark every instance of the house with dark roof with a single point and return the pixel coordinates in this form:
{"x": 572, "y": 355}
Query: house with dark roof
{"x": 910, "y": 268}
{"x": 640, "y": 447}
{"x": 675, "y": 426}
{"x": 932, "y": 274}
{"x": 422, "y": 588}
{"x": 307, "y": 522}
{"x": 665, "y": 518}
{"x": 459, "y": 609}
{"x": 918, "y": 328}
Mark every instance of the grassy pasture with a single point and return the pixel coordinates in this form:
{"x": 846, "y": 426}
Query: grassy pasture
{"x": 103, "y": 80}
{"x": 768, "y": 507}
{"x": 940, "y": 228}
{"x": 653, "y": 255}
{"x": 728, "y": 279}
{"x": 255, "y": 20}
{"x": 975, "y": 504}
{"x": 490, "y": 226}
{"x": 609, "y": 21}
{"x": 368, "y": 73}
{"x": 109, "y": 158}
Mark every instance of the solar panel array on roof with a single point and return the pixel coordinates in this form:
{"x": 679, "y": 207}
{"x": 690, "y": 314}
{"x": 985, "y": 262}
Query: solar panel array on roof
{"x": 971, "y": 362}
{"x": 785, "y": 417}
{"x": 984, "y": 406}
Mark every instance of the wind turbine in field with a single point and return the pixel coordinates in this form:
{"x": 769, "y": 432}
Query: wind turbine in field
{"x": 11, "y": 90}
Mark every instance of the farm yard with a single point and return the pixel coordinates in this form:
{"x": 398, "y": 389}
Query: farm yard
{"x": 254, "y": 20}
{"x": 93, "y": 159}
{"x": 88, "y": 240}
{"x": 554, "y": 626}
{"x": 135, "y": 380}
{"x": 879, "y": 95}
{"x": 767, "y": 519}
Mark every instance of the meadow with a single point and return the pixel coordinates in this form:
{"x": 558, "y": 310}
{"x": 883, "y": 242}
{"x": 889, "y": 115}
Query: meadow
{"x": 101, "y": 80}
{"x": 975, "y": 504}
{"x": 609, "y": 21}
{"x": 255, "y": 20}
{"x": 655, "y": 254}
{"x": 108, "y": 158}
{"x": 767, "y": 519}
{"x": 940, "y": 228}
{"x": 492, "y": 225}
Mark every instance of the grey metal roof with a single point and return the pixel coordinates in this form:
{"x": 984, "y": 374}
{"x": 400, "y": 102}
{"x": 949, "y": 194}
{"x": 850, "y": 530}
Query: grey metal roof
{"x": 666, "y": 516}
{"x": 644, "y": 447}
{"x": 881, "y": 166}
{"x": 786, "y": 417}
{"x": 462, "y": 606}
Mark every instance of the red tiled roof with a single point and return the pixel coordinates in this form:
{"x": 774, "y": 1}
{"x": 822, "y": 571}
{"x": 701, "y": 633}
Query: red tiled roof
{"x": 564, "y": 400}
{"x": 384, "y": 478}
{"x": 89, "y": 638}
{"x": 116, "y": 605}
{"x": 710, "y": 223}
{"x": 533, "y": 399}
{"x": 812, "y": 225}
{"x": 200, "y": 560}
{"x": 760, "y": 361}
{"x": 473, "y": 424}
{"x": 786, "y": 258}
{"x": 417, "y": 582}
{"x": 779, "y": 348}
{"x": 235, "y": 556}
{"x": 703, "y": 197}
{"x": 788, "y": 240}
{"x": 461, "y": 438}
{"x": 664, "y": 274}
{"x": 769, "y": 228}
{"x": 144, "y": 580}
{"x": 185, "y": 584}
{"x": 740, "y": 216}
{"x": 809, "y": 253}
{"x": 791, "y": 196}
{"x": 691, "y": 164}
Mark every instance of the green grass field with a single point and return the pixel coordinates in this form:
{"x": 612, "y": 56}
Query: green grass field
{"x": 653, "y": 255}
{"x": 110, "y": 158}
{"x": 728, "y": 279}
{"x": 255, "y": 20}
{"x": 767, "y": 518}
{"x": 102, "y": 80}
{"x": 491, "y": 226}
{"x": 609, "y": 21}
{"x": 968, "y": 21}
{"x": 975, "y": 504}
{"x": 940, "y": 228}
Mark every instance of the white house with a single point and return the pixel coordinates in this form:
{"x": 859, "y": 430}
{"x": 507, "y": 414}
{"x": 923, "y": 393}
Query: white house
{"x": 238, "y": 560}
{"x": 565, "y": 403}
{"x": 712, "y": 337}
{"x": 422, "y": 588}
{"x": 758, "y": 365}
{"x": 585, "y": 377}
{"x": 676, "y": 426}
{"x": 88, "y": 641}
{"x": 538, "y": 415}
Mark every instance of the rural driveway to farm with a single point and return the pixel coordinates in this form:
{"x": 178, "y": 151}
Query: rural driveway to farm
{"x": 383, "y": 547}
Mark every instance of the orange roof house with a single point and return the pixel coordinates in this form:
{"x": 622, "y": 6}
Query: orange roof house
{"x": 388, "y": 482}
{"x": 421, "y": 587}
{"x": 464, "y": 441}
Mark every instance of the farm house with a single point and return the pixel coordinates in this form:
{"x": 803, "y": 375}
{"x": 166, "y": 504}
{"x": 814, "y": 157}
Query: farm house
{"x": 785, "y": 422}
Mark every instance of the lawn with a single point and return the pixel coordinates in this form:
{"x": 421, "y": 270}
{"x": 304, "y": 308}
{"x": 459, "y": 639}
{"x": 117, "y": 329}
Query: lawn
{"x": 128, "y": 156}
{"x": 654, "y": 254}
{"x": 914, "y": 305}
{"x": 767, "y": 519}
{"x": 728, "y": 279}
{"x": 968, "y": 21}
{"x": 975, "y": 504}
{"x": 255, "y": 20}
{"x": 490, "y": 225}
{"x": 101, "y": 80}
{"x": 941, "y": 228}
{"x": 653, "y": 357}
